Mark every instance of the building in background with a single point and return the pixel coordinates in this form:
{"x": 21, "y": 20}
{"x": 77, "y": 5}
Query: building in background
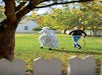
{"x": 26, "y": 26}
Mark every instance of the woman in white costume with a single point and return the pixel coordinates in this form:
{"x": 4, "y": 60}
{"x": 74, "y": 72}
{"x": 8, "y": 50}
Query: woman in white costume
{"x": 47, "y": 39}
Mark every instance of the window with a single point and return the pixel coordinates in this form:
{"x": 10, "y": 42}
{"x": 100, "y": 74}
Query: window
{"x": 26, "y": 28}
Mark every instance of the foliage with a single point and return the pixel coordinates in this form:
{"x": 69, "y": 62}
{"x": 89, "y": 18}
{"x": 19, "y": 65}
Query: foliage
{"x": 33, "y": 16}
{"x": 36, "y": 29}
{"x": 93, "y": 17}
{"x": 88, "y": 15}
{"x": 2, "y": 16}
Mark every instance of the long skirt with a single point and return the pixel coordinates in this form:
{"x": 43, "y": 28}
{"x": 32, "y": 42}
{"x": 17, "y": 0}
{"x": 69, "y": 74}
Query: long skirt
{"x": 48, "y": 41}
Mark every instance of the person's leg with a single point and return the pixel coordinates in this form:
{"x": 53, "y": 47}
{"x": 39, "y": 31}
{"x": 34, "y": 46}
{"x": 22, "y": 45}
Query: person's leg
{"x": 40, "y": 39}
{"x": 75, "y": 40}
{"x": 78, "y": 45}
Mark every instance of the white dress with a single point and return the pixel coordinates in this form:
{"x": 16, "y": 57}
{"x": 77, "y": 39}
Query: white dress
{"x": 47, "y": 39}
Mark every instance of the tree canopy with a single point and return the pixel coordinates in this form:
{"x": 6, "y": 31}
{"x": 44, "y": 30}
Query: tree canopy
{"x": 87, "y": 17}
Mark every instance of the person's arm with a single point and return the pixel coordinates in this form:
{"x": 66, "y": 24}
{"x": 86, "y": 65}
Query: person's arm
{"x": 70, "y": 32}
{"x": 40, "y": 32}
{"x": 84, "y": 33}
{"x": 52, "y": 31}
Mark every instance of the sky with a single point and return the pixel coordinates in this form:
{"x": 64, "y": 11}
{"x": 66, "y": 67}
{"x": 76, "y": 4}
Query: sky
{"x": 0, "y": 0}
{"x": 47, "y": 9}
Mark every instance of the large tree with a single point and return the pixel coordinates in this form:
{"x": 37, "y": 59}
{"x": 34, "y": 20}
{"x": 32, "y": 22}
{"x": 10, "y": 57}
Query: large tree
{"x": 14, "y": 12}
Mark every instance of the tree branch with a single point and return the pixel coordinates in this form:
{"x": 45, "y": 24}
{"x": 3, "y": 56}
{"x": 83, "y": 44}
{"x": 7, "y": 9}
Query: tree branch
{"x": 20, "y": 6}
{"x": 32, "y": 4}
{"x": 10, "y": 10}
{"x": 56, "y": 3}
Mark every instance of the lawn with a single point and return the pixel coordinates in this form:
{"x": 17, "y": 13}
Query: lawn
{"x": 27, "y": 48}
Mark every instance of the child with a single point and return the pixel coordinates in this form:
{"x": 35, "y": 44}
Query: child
{"x": 76, "y": 34}
{"x": 47, "y": 38}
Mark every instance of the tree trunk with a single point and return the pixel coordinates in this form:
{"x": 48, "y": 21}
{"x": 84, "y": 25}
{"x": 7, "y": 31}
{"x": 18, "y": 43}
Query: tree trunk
{"x": 64, "y": 31}
{"x": 83, "y": 28}
{"x": 7, "y": 42}
{"x": 13, "y": 15}
{"x": 94, "y": 30}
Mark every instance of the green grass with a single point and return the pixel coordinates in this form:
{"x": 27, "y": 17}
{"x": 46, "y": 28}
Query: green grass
{"x": 27, "y": 48}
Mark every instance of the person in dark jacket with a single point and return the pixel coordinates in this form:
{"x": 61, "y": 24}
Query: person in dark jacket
{"x": 76, "y": 34}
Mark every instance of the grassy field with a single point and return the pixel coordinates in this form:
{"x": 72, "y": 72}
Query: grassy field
{"x": 27, "y": 48}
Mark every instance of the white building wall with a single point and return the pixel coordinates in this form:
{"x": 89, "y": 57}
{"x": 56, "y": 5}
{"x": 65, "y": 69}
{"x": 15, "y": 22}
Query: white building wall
{"x": 29, "y": 25}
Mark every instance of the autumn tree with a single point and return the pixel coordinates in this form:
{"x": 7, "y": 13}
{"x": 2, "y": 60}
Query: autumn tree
{"x": 63, "y": 19}
{"x": 93, "y": 18}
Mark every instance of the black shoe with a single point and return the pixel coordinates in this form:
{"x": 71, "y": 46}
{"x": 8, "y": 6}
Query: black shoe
{"x": 41, "y": 47}
{"x": 74, "y": 46}
{"x": 50, "y": 48}
{"x": 79, "y": 47}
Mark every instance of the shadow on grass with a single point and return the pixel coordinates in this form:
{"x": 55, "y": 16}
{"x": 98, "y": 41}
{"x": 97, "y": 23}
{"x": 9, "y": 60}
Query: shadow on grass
{"x": 79, "y": 51}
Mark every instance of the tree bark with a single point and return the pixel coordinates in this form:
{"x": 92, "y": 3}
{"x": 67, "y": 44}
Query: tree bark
{"x": 7, "y": 31}
{"x": 64, "y": 31}
{"x": 7, "y": 41}
{"x": 83, "y": 28}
